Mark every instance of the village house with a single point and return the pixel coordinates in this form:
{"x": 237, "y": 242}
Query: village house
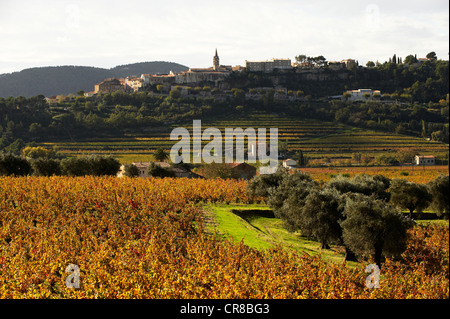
{"x": 133, "y": 84}
{"x": 109, "y": 86}
{"x": 155, "y": 79}
{"x": 349, "y": 63}
{"x": 218, "y": 73}
{"x": 268, "y": 66}
{"x": 243, "y": 170}
{"x": 424, "y": 160}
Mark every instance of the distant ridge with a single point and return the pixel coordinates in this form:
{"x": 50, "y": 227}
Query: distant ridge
{"x": 55, "y": 80}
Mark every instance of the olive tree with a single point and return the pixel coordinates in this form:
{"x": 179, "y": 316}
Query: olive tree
{"x": 46, "y": 167}
{"x": 288, "y": 198}
{"x": 259, "y": 185}
{"x": 409, "y": 195}
{"x": 320, "y": 215}
{"x": 372, "y": 227}
{"x": 14, "y": 165}
{"x": 131, "y": 170}
{"x": 439, "y": 189}
{"x": 374, "y": 186}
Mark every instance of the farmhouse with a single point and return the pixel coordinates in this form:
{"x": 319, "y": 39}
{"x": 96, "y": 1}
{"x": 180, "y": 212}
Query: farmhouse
{"x": 424, "y": 160}
{"x": 144, "y": 166}
{"x": 244, "y": 170}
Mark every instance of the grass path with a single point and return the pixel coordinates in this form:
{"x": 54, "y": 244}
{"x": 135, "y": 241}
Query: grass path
{"x": 257, "y": 227}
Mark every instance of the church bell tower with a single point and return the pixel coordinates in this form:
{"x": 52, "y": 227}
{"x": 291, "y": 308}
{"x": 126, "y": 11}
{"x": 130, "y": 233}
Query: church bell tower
{"x": 216, "y": 63}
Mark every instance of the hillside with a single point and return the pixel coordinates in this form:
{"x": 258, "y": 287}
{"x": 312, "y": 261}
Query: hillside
{"x": 54, "y": 80}
{"x": 318, "y": 140}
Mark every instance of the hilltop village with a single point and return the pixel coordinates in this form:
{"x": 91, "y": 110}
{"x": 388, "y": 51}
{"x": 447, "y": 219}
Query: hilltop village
{"x": 212, "y": 80}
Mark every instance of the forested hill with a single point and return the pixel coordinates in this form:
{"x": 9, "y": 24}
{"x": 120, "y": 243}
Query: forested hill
{"x": 55, "y": 80}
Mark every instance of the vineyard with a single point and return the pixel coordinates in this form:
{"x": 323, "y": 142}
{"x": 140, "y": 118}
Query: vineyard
{"x": 146, "y": 238}
{"x": 317, "y": 139}
{"x": 422, "y": 174}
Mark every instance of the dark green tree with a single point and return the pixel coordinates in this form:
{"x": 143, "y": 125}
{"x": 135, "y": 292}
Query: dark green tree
{"x": 160, "y": 155}
{"x": 46, "y": 167}
{"x": 362, "y": 184}
{"x": 239, "y": 95}
{"x": 131, "y": 170}
{"x": 320, "y": 216}
{"x": 410, "y": 59}
{"x": 409, "y": 195}
{"x": 439, "y": 190}
{"x": 155, "y": 170}
{"x": 75, "y": 166}
{"x": 432, "y": 55}
{"x": 300, "y": 58}
{"x": 372, "y": 227}
{"x": 103, "y": 165}
{"x": 300, "y": 158}
{"x": 289, "y": 197}
{"x": 14, "y": 165}
{"x": 260, "y": 185}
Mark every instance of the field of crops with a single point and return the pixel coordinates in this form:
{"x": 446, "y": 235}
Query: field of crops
{"x": 145, "y": 238}
{"x": 317, "y": 139}
{"x": 421, "y": 174}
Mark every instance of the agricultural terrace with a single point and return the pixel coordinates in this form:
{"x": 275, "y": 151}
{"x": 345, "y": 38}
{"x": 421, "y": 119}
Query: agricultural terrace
{"x": 317, "y": 139}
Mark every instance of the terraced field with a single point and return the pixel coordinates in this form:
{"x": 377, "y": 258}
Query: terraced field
{"x": 316, "y": 139}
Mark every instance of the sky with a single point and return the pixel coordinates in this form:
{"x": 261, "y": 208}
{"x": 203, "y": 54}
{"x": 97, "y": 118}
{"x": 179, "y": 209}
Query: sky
{"x": 101, "y": 33}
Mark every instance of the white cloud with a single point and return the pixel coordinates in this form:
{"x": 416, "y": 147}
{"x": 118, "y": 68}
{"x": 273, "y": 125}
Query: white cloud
{"x": 107, "y": 33}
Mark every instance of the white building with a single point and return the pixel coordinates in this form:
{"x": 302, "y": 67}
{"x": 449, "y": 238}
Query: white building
{"x": 424, "y": 160}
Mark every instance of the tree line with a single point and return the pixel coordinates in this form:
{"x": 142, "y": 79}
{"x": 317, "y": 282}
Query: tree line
{"x": 360, "y": 213}
{"x": 96, "y": 165}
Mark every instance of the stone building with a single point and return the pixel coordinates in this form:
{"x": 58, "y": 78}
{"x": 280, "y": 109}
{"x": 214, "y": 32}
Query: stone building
{"x": 349, "y": 63}
{"x": 134, "y": 84}
{"x": 109, "y": 86}
{"x": 215, "y": 74}
{"x": 155, "y": 79}
{"x": 243, "y": 170}
{"x": 424, "y": 160}
{"x": 268, "y": 66}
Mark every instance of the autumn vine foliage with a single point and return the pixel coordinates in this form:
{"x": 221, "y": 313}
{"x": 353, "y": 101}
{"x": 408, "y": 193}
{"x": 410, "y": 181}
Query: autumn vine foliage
{"x": 145, "y": 238}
